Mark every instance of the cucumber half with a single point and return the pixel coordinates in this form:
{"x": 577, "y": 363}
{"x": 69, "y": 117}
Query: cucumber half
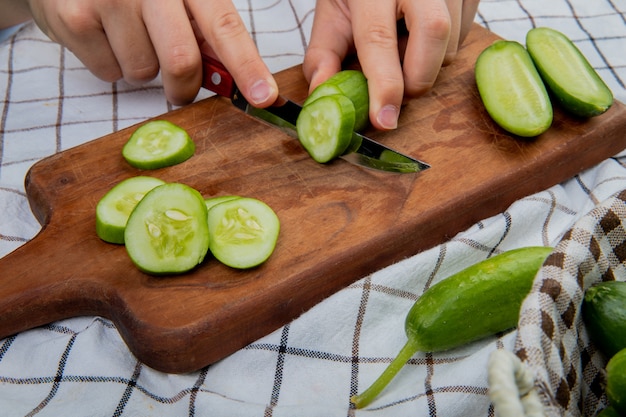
{"x": 512, "y": 90}
{"x": 567, "y": 73}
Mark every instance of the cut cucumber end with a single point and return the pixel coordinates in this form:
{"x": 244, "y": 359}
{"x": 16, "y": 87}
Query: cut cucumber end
{"x": 158, "y": 144}
{"x": 349, "y": 83}
{"x": 325, "y": 127}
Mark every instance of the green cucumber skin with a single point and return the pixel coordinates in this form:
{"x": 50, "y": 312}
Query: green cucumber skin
{"x": 352, "y": 84}
{"x": 477, "y": 302}
{"x": 604, "y": 315}
{"x": 512, "y": 90}
{"x": 616, "y": 382}
{"x": 582, "y": 93}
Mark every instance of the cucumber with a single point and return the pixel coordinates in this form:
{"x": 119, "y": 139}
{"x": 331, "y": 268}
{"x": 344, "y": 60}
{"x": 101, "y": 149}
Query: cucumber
{"x": 567, "y": 73}
{"x": 114, "y": 208}
{"x": 616, "y": 382}
{"x": 213, "y": 201}
{"x": 325, "y": 126}
{"x": 512, "y": 90}
{"x": 604, "y": 315}
{"x": 477, "y": 302}
{"x": 608, "y": 412}
{"x": 167, "y": 232}
{"x": 158, "y": 144}
{"x": 352, "y": 84}
{"x": 242, "y": 232}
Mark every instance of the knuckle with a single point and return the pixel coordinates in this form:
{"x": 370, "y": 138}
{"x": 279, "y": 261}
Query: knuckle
{"x": 141, "y": 74}
{"x": 380, "y": 35}
{"x": 437, "y": 26}
{"x": 416, "y": 88}
{"x": 229, "y": 24}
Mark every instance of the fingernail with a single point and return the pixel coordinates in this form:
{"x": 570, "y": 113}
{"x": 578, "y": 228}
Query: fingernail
{"x": 260, "y": 92}
{"x": 388, "y": 117}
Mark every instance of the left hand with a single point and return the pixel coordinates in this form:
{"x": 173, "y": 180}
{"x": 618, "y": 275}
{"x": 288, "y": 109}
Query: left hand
{"x": 436, "y": 30}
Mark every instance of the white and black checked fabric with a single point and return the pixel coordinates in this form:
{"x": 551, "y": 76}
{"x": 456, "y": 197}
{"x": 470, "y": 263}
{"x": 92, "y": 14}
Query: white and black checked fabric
{"x": 311, "y": 367}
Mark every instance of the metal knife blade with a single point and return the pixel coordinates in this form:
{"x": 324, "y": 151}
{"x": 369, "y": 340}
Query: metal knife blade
{"x": 284, "y": 113}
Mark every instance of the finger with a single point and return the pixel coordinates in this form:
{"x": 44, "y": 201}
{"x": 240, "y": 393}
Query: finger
{"x": 176, "y": 47}
{"x": 375, "y": 39}
{"x": 227, "y": 35}
{"x": 129, "y": 40}
{"x": 455, "y": 10}
{"x": 428, "y": 23}
{"x": 79, "y": 29}
{"x": 331, "y": 40}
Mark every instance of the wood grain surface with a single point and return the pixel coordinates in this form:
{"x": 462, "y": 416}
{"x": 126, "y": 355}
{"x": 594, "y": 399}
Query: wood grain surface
{"x": 339, "y": 222}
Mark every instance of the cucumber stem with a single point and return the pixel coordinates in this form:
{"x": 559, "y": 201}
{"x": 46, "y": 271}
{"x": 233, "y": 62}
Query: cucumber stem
{"x": 367, "y": 396}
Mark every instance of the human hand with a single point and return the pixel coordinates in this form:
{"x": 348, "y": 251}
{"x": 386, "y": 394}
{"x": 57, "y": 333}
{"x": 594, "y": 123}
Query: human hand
{"x": 135, "y": 39}
{"x": 436, "y": 29}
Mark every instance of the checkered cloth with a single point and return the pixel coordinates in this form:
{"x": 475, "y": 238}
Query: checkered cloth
{"x": 552, "y": 340}
{"x": 311, "y": 367}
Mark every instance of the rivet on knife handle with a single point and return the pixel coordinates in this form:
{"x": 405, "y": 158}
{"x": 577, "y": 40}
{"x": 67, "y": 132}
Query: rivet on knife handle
{"x": 216, "y": 78}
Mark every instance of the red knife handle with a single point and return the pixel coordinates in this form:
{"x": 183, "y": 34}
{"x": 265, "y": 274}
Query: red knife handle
{"x": 216, "y": 78}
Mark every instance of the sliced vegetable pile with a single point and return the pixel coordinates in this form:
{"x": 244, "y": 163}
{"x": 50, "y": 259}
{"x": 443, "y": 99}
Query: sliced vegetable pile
{"x": 604, "y": 315}
{"x": 514, "y": 82}
{"x": 474, "y": 303}
{"x": 168, "y": 228}
{"x": 332, "y": 112}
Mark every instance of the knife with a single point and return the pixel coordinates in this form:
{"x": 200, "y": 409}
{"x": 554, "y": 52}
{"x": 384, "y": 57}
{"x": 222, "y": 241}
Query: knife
{"x": 283, "y": 114}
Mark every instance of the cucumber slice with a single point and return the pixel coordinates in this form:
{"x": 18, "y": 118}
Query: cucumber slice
{"x": 352, "y": 84}
{"x": 167, "y": 232}
{"x": 325, "y": 126}
{"x": 567, "y": 73}
{"x": 213, "y": 201}
{"x": 512, "y": 90}
{"x": 243, "y": 232}
{"x": 114, "y": 208}
{"x": 158, "y": 144}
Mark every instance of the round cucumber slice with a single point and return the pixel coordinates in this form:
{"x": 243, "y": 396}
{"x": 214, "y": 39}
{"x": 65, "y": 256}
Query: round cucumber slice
{"x": 167, "y": 232}
{"x": 512, "y": 90}
{"x": 158, "y": 144}
{"x": 325, "y": 127}
{"x": 114, "y": 208}
{"x": 213, "y": 201}
{"x": 243, "y": 232}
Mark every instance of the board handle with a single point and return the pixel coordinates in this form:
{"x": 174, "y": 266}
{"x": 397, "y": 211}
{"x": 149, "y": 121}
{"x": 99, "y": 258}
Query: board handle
{"x": 38, "y": 286}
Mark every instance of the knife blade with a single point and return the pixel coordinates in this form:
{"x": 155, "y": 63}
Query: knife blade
{"x": 283, "y": 114}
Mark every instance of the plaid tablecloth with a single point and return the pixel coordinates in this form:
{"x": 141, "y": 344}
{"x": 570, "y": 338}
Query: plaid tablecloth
{"x": 311, "y": 367}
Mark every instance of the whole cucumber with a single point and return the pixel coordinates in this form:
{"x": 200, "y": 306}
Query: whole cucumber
{"x": 512, "y": 90}
{"x": 604, "y": 315}
{"x": 476, "y": 302}
{"x": 567, "y": 73}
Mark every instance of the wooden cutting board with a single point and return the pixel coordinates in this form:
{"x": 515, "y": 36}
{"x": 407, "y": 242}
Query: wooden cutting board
{"x": 339, "y": 222}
